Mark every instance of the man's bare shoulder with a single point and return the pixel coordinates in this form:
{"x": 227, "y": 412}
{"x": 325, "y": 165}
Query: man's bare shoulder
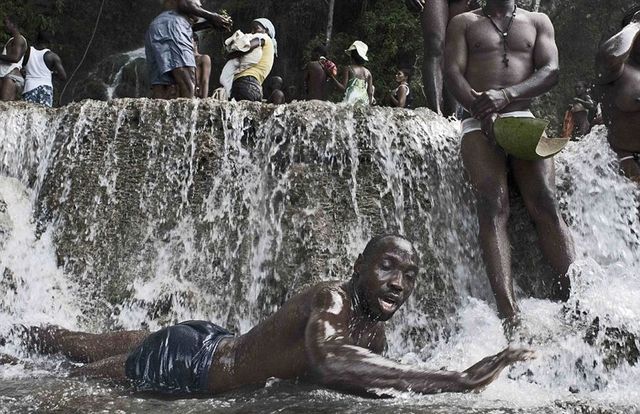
{"x": 467, "y": 17}
{"x": 538, "y": 18}
{"x": 327, "y": 295}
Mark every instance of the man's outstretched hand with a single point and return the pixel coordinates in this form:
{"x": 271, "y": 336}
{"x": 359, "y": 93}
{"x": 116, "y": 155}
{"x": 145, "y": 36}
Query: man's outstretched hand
{"x": 415, "y": 5}
{"x": 487, "y": 370}
{"x": 221, "y": 22}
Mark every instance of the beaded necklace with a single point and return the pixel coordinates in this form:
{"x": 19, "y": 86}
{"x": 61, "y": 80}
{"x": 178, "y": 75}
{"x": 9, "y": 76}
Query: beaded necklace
{"x": 503, "y": 33}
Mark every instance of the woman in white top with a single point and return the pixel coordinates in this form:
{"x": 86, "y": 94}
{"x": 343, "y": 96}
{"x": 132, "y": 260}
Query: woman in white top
{"x": 11, "y": 80}
{"x": 400, "y": 95}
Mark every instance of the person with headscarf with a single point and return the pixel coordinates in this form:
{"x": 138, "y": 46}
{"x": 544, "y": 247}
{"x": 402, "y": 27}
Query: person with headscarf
{"x": 247, "y": 83}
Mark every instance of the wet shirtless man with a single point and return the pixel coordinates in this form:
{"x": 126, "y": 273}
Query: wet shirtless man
{"x": 169, "y": 47}
{"x": 436, "y": 15}
{"x": 331, "y": 334}
{"x": 497, "y": 60}
{"x": 619, "y": 72}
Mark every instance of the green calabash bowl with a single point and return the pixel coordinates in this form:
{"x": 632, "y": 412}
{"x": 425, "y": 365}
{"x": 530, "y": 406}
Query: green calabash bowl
{"x": 519, "y": 137}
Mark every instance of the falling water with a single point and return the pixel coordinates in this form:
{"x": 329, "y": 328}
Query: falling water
{"x": 137, "y": 213}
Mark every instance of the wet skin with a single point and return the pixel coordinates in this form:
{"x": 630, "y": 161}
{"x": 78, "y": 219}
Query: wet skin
{"x": 330, "y": 334}
{"x": 480, "y": 81}
{"x": 618, "y": 64}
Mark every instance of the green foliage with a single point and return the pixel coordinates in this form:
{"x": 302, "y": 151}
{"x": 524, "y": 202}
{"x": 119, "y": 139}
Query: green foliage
{"x": 32, "y": 16}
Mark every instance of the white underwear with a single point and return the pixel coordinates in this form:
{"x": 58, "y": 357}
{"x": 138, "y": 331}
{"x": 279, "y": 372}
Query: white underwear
{"x": 472, "y": 124}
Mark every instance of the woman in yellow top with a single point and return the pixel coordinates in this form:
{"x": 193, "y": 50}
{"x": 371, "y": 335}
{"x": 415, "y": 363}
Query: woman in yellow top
{"x": 247, "y": 85}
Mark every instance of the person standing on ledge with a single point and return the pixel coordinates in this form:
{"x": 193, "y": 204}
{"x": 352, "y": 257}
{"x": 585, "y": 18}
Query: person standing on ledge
{"x": 247, "y": 85}
{"x": 497, "y": 60}
{"x": 331, "y": 334}
{"x": 169, "y": 47}
{"x": 11, "y": 80}
{"x": 40, "y": 64}
{"x": 435, "y": 16}
{"x": 618, "y": 63}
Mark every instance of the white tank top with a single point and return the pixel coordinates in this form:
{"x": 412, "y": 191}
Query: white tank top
{"x": 38, "y": 74}
{"x": 7, "y": 68}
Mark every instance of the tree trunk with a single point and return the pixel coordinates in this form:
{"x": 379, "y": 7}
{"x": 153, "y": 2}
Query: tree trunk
{"x": 332, "y": 4}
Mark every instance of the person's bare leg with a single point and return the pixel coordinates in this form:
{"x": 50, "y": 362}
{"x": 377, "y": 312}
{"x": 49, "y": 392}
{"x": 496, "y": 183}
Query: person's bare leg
{"x": 112, "y": 367}
{"x": 486, "y": 165}
{"x": 8, "y": 90}
{"x": 203, "y": 75}
{"x": 80, "y": 346}
{"x": 536, "y": 181}
{"x": 434, "y": 26}
{"x": 449, "y": 103}
{"x": 629, "y": 166}
{"x": 160, "y": 92}
{"x": 185, "y": 80}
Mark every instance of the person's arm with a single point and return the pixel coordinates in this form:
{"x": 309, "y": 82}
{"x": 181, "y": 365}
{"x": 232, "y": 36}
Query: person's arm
{"x": 455, "y": 56}
{"x": 339, "y": 363}
{"x": 342, "y": 86}
{"x": 613, "y": 53}
{"x": 401, "y": 102}
{"x": 54, "y": 63}
{"x": 545, "y": 77}
{"x": 587, "y": 103}
{"x": 255, "y": 43}
{"x": 194, "y": 8}
{"x": 16, "y": 51}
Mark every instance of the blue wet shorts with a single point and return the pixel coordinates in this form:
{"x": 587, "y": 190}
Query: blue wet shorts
{"x": 168, "y": 45}
{"x": 176, "y": 359}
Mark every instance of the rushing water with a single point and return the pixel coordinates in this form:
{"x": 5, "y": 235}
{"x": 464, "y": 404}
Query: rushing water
{"x": 140, "y": 213}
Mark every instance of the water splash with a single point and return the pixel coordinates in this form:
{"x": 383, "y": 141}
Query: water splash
{"x": 154, "y": 212}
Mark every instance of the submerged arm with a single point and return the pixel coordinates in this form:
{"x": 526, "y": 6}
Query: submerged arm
{"x": 613, "y": 53}
{"x": 339, "y": 363}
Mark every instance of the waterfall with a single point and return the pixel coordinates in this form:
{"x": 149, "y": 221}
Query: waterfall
{"x": 141, "y": 213}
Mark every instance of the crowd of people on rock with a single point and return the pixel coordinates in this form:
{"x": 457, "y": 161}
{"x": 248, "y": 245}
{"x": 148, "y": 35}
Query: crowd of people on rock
{"x": 492, "y": 62}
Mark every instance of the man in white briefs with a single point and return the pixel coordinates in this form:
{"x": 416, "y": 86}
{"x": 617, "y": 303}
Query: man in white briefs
{"x": 498, "y": 58}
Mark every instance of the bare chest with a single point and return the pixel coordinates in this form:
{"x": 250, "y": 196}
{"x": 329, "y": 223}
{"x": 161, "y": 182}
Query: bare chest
{"x": 626, "y": 90}
{"x": 483, "y": 37}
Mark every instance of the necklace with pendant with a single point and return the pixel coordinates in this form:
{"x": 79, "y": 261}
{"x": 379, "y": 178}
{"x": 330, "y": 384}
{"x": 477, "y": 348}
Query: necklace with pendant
{"x": 504, "y": 34}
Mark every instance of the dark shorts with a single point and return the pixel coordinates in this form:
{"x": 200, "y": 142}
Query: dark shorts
{"x": 246, "y": 88}
{"x": 176, "y": 359}
{"x": 168, "y": 45}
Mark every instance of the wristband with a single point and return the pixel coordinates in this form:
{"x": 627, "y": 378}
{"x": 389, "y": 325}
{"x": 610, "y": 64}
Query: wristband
{"x": 506, "y": 96}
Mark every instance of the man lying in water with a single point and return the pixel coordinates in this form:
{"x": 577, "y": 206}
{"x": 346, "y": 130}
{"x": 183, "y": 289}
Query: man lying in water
{"x": 331, "y": 334}
{"x": 618, "y": 63}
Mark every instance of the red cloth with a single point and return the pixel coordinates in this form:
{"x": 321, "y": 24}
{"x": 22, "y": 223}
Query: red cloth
{"x": 329, "y": 66}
